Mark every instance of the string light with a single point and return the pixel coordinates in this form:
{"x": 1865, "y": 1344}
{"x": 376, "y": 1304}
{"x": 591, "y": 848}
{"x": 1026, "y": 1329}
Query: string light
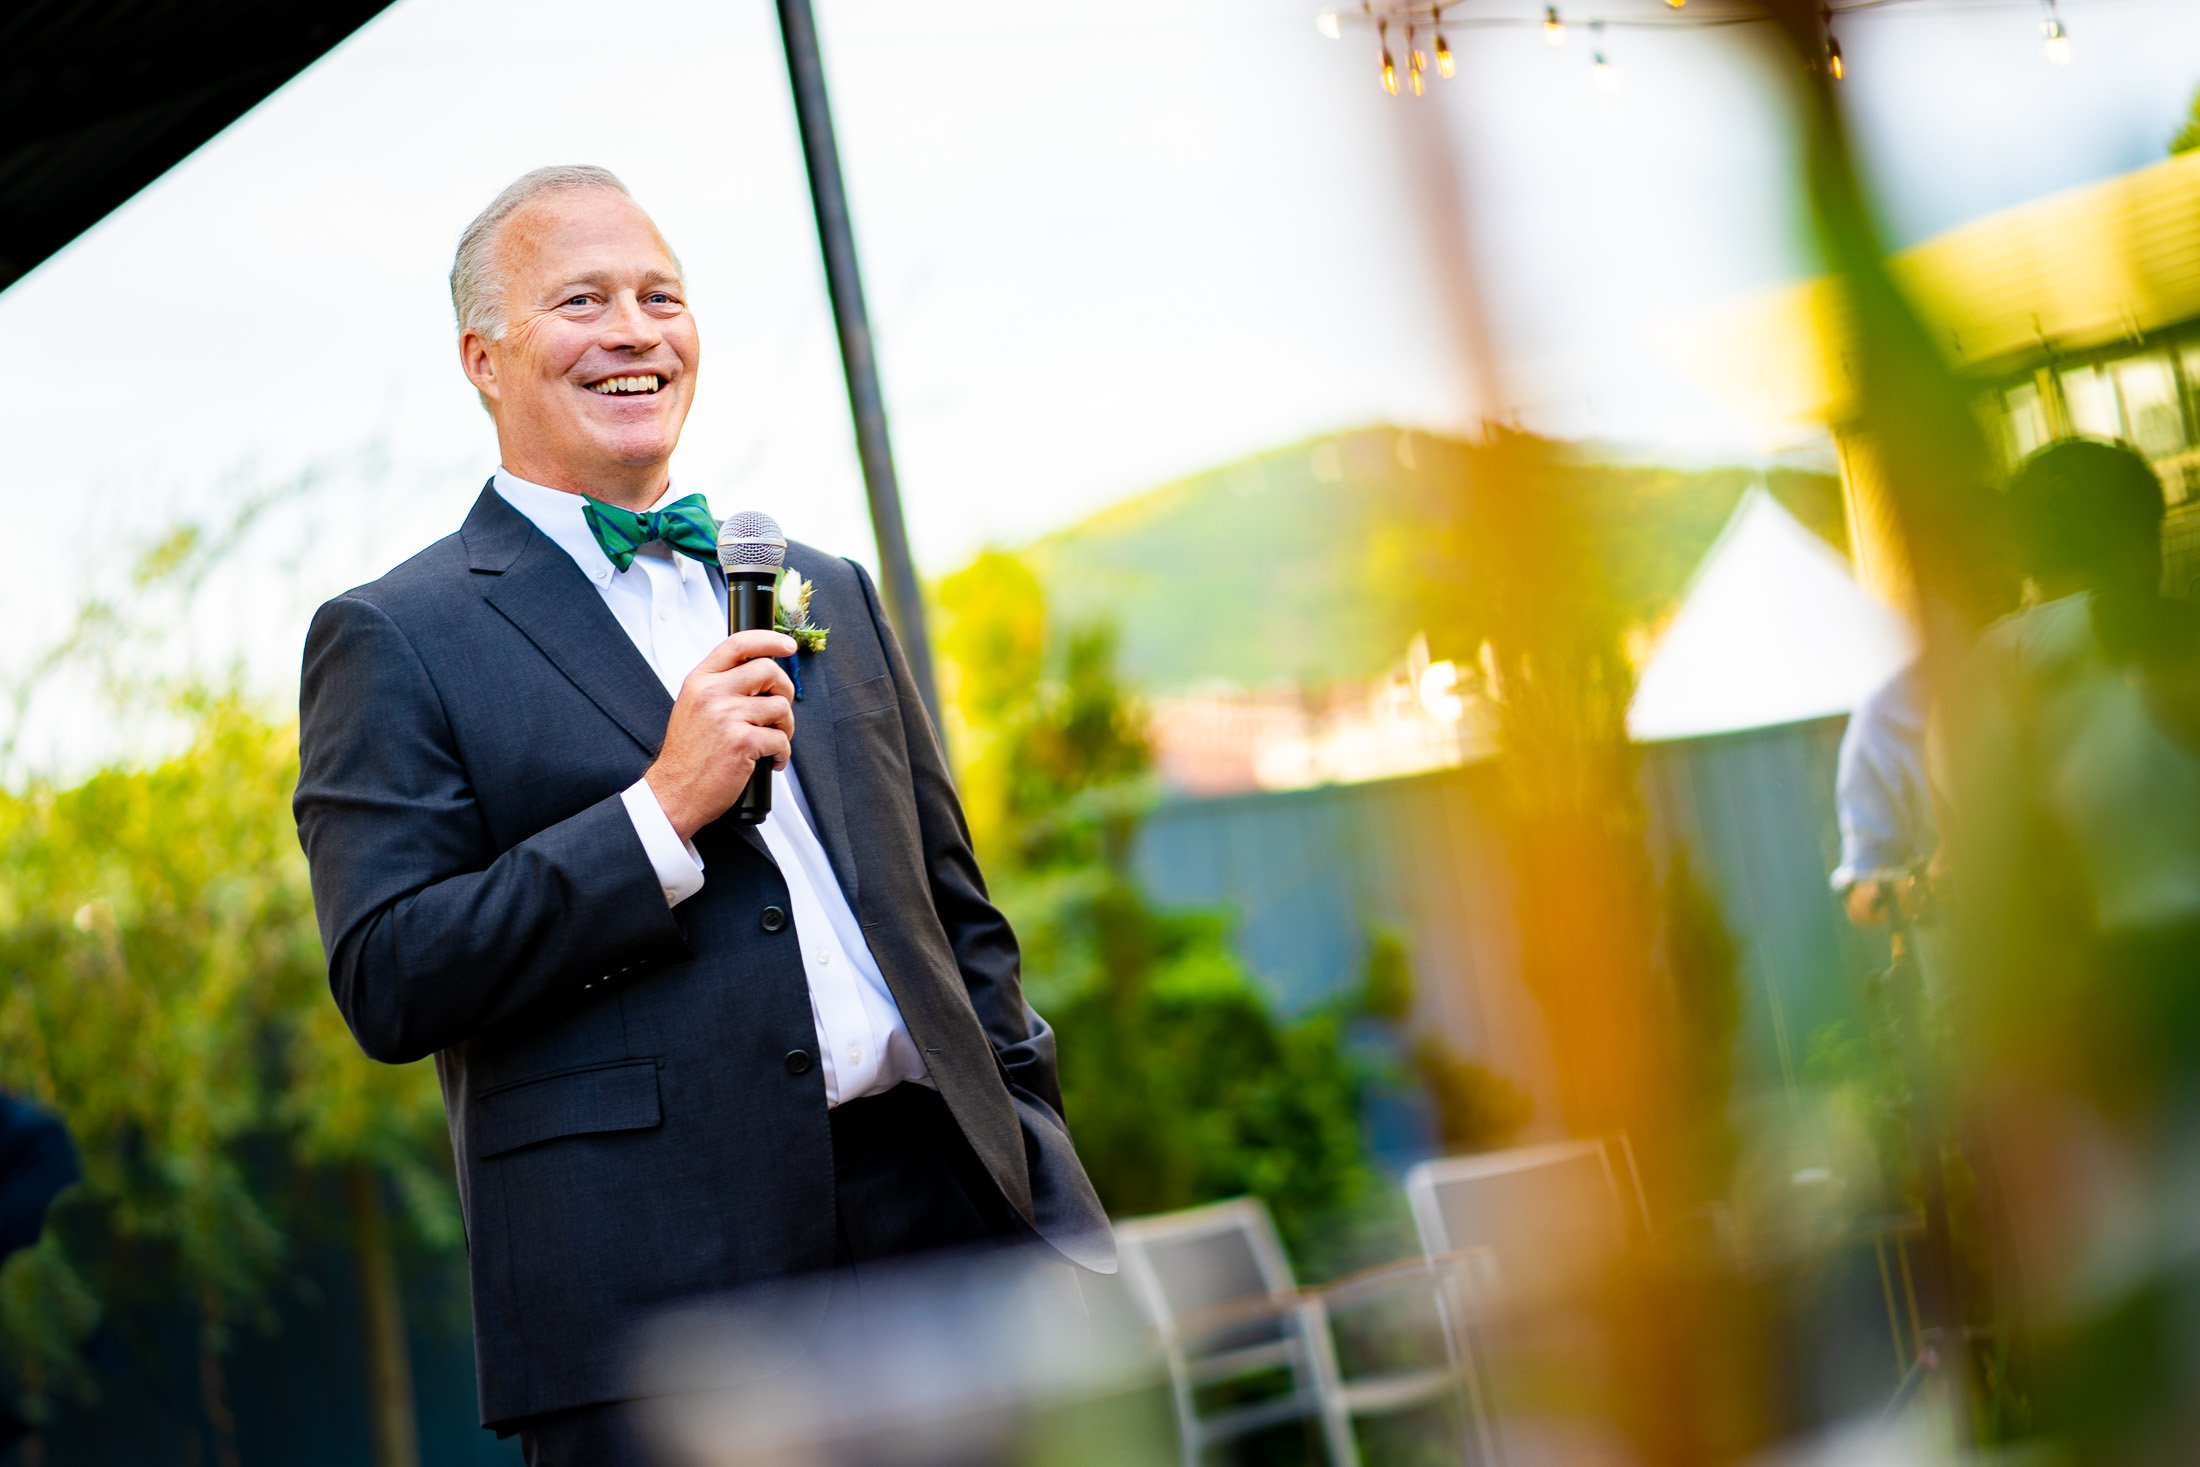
{"x": 1412, "y": 14}
{"x": 1416, "y": 14}
{"x": 2055, "y": 40}
{"x": 1607, "y": 77}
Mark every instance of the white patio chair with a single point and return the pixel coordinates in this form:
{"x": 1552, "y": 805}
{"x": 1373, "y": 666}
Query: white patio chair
{"x": 1550, "y": 1214}
{"x": 1216, "y": 1287}
{"x": 1544, "y": 1222}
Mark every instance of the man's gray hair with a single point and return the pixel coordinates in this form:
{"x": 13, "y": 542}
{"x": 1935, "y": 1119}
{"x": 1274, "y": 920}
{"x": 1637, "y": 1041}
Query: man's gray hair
{"x": 477, "y": 285}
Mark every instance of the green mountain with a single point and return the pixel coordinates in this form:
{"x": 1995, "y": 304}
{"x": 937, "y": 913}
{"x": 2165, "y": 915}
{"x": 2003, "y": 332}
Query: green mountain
{"x": 1266, "y": 569}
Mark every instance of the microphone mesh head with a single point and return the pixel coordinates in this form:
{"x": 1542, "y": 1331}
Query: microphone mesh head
{"x": 750, "y": 542}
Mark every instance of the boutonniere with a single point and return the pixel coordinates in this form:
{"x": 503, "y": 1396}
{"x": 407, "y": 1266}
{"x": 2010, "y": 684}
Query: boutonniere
{"x": 791, "y": 616}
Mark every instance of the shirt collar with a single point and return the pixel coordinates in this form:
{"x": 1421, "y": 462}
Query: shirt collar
{"x": 557, "y": 514}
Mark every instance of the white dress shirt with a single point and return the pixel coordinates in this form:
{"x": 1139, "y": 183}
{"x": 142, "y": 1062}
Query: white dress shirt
{"x": 674, "y": 610}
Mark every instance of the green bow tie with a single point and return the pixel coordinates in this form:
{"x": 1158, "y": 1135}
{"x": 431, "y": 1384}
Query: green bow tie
{"x": 684, "y": 524}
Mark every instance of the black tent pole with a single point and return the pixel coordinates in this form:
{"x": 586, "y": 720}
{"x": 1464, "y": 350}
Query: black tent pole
{"x": 844, "y": 283}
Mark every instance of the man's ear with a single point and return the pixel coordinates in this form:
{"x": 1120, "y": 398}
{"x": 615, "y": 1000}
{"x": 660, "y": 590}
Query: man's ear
{"x": 475, "y": 361}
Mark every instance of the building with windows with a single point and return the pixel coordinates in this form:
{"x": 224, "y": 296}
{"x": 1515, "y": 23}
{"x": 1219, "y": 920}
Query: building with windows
{"x": 2078, "y": 313}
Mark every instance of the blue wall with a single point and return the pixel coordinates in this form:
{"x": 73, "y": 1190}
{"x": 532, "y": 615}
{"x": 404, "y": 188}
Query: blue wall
{"x": 1310, "y": 874}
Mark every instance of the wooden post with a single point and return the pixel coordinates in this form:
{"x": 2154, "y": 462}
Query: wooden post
{"x": 395, "y": 1433}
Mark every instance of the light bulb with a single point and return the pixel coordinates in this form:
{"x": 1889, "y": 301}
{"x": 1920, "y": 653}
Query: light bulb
{"x": 1675, "y": 4}
{"x": 2057, "y": 45}
{"x": 1413, "y": 77}
{"x": 1608, "y": 78}
{"x": 1330, "y": 24}
{"x": 1554, "y": 29}
{"x": 1834, "y": 65}
{"x": 1445, "y": 66}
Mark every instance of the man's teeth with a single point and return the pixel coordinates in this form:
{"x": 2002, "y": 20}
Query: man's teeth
{"x": 649, "y": 382}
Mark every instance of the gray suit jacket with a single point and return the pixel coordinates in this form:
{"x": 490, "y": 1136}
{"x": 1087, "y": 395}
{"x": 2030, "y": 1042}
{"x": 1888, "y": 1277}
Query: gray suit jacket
{"x": 632, "y": 1126}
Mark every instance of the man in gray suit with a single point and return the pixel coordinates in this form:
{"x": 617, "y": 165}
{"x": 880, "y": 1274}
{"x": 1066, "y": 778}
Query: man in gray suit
{"x": 679, "y": 1055}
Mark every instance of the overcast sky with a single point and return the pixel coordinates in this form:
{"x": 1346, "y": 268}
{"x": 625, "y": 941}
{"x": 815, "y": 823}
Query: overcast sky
{"x": 1105, "y": 245}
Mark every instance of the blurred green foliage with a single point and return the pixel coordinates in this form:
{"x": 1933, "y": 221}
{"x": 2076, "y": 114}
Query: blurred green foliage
{"x": 1701, "y": 960}
{"x": 1470, "y": 1106}
{"x": 2187, "y": 139}
{"x": 1183, "y": 1084}
{"x": 162, "y": 988}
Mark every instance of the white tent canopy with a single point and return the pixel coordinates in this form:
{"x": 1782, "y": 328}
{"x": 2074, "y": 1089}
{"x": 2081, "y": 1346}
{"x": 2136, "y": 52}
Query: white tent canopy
{"x": 1773, "y": 630}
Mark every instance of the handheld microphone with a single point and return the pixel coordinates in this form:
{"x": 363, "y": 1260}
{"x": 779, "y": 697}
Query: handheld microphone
{"x": 750, "y": 551}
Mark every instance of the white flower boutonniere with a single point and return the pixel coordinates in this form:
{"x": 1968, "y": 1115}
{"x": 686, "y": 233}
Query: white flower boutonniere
{"x": 791, "y": 613}
{"x": 791, "y": 616}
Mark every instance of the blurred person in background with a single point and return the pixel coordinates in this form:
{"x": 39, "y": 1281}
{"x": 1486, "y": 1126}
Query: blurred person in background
{"x": 37, "y": 1164}
{"x": 2094, "y": 690}
{"x": 2074, "y": 774}
{"x": 680, "y": 1055}
{"x": 1883, "y": 798}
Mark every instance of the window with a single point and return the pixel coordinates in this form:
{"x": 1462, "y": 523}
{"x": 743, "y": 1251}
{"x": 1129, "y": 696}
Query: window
{"x": 2154, "y": 420}
{"x": 2024, "y": 420}
{"x": 2091, "y": 398}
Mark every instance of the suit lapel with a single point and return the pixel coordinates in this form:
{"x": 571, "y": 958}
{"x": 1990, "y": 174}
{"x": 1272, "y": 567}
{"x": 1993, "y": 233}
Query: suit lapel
{"x": 535, "y": 585}
{"x": 538, "y": 589}
{"x": 815, "y": 757}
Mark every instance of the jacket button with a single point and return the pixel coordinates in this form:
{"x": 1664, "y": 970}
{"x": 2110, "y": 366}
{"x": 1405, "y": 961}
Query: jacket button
{"x": 773, "y": 919}
{"x": 797, "y": 1061}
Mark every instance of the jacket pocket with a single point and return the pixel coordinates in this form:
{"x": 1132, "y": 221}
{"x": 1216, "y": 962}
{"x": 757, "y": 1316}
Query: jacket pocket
{"x": 868, "y": 696}
{"x": 620, "y": 1097}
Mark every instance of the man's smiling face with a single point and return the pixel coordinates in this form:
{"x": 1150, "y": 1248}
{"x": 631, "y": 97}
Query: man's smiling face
{"x": 592, "y": 378}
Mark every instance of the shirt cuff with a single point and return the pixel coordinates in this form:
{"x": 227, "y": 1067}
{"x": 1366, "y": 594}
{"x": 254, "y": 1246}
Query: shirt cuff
{"x": 679, "y": 866}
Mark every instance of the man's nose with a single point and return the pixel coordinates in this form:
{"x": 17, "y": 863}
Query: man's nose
{"x": 628, "y": 325}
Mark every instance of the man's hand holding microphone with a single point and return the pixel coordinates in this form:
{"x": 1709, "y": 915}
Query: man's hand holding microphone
{"x": 735, "y": 711}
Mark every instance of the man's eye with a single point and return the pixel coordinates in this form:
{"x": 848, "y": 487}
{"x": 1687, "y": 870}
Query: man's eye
{"x": 578, "y": 300}
{"x": 658, "y": 297}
